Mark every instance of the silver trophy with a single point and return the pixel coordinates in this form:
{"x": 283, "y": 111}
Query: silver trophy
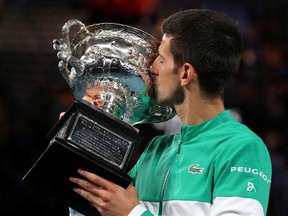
{"x": 106, "y": 66}
{"x": 105, "y": 63}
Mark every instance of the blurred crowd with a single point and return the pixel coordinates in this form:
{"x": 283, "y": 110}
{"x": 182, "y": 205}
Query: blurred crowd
{"x": 258, "y": 94}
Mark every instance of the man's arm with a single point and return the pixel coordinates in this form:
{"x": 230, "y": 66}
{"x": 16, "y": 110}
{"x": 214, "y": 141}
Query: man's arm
{"x": 242, "y": 178}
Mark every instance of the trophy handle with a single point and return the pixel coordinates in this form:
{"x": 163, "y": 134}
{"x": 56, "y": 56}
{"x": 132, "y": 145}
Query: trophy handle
{"x": 65, "y": 53}
{"x": 66, "y": 30}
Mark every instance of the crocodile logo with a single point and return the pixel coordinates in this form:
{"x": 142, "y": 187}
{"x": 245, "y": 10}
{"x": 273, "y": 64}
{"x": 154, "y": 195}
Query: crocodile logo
{"x": 195, "y": 169}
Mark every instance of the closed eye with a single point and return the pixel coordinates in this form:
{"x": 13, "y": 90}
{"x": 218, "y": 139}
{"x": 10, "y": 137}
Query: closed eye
{"x": 160, "y": 60}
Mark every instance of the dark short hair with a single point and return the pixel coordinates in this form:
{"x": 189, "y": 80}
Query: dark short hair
{"x": 210, "y": 42}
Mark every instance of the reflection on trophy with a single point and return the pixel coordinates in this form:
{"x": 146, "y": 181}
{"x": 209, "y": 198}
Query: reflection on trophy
{"x": 106, "y": 67}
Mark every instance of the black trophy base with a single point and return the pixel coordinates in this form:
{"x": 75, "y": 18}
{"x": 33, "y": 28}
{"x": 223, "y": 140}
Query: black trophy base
{"x": 50, "y": 175}
{"x": 68, "y": 151}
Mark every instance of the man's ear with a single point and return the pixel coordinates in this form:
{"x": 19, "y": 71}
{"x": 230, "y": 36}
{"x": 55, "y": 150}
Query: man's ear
{"x": 188, "y": 74}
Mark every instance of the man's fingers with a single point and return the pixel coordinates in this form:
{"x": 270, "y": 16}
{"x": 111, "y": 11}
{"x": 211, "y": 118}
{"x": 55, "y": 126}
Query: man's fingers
{"x": 146, "y": 78}
{"x": 87, "y": 195}
{"x": 136, "y": 129}
{"x": 88, "y": 99}
{"x": 94, "y": 189}
{"x": 93, "y": 200}
{"x": 99, "y": 181}
{"x": 149, "y": 85}
{"x": 61, "y": 115}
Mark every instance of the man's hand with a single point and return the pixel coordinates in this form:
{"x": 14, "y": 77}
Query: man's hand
{"x": 108, "y": 198}
{"x": 149, "y": 84}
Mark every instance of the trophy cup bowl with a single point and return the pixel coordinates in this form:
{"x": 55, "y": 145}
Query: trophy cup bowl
{"x": 104, "y": 66}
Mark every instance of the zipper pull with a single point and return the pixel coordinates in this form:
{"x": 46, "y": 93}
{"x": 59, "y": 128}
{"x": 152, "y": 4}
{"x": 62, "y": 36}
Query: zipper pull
{"x": 179, "y": 147}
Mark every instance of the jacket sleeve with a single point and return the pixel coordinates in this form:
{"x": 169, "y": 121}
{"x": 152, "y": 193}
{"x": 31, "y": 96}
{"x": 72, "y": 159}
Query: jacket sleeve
{"x": 140, "y": 210}
{"x": 242, "y": 180}
{"x": 236, "y": 206}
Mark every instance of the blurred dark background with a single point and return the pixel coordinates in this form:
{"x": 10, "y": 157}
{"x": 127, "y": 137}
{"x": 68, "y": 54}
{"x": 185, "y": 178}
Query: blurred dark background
{"x": 33, "y": 93}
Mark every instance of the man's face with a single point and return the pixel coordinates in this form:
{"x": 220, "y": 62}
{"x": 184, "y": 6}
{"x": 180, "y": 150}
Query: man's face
{"x": 166, "y": 79}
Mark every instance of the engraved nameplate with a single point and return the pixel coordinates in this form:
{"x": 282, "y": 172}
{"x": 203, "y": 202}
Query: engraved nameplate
{"x": 99, "y": 140}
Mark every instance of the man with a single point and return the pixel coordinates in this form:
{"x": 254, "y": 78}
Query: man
{"x": 215, "y": 165}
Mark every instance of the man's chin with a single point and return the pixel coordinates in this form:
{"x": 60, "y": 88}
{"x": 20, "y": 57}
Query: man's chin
{"x": 162, "y": 103}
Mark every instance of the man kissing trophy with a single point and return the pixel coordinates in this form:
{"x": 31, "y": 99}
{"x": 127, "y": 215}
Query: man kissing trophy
{"x": 106, "y": 66}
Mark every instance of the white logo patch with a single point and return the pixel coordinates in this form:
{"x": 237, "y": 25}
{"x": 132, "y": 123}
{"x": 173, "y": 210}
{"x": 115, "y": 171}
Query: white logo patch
{"x": 253, "y": 171}
{"x": 250, "y": 187}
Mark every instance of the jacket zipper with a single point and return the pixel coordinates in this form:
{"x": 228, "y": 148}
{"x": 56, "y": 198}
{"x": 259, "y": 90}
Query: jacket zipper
{"x": 165, "y": 181}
